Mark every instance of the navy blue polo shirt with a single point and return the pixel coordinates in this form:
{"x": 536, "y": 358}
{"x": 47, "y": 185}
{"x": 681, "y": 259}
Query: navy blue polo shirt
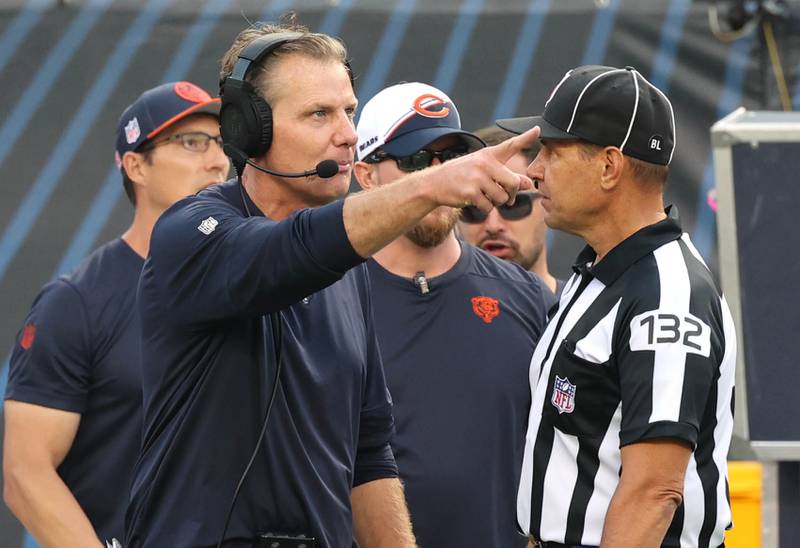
{"x": 456, "y": 361}
{"x": 208, "y": 366}
{"x": 78, "y": 351}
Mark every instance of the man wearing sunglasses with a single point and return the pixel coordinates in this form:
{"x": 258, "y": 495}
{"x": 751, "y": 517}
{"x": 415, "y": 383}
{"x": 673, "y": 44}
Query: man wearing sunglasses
{"x": 456, "y": 328}
{"x": 73, "y": 409}
{"x": 514, "y": 232}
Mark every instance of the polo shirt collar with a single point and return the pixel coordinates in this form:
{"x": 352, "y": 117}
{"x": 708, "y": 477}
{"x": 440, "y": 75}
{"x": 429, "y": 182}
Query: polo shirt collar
{"x": 634, "y": 247}
{"x": 251, "y": 206}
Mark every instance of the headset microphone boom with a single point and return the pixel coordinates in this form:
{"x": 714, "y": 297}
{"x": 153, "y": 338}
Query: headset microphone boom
{"x": 324, "y": 170}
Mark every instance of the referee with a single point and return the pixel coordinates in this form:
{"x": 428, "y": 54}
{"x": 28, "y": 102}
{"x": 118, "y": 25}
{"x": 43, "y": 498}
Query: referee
{"x": 632, "y": 381}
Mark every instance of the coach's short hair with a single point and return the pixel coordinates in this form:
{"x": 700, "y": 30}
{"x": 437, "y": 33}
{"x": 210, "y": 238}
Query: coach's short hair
{"x": 311, "y": 44}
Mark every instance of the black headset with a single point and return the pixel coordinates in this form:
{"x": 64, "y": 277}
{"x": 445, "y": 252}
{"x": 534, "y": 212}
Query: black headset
{"x": 245, "y": 117}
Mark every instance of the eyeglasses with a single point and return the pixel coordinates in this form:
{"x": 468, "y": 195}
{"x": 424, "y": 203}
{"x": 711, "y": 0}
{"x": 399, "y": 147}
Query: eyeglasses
{"x": 420, "y": 159}
{"x": 196, "y": 141}
{"x": 522, "y": 207}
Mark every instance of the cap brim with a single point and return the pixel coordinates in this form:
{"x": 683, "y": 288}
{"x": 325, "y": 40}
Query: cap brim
{"x": 523, "y": 124}
{"x": 414, "y": 141}
{"x": 211, "y": 107}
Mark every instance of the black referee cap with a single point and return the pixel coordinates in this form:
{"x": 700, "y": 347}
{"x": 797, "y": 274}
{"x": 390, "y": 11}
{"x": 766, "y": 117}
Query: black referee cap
{"x": 607, "y": 106}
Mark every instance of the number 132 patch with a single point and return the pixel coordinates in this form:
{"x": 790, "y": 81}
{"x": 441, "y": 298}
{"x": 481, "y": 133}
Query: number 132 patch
{"x": 655, "y": 329}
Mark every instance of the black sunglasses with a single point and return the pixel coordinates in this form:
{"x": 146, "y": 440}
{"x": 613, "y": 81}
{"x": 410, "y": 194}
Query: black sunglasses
{"x": 195, "y": 141}
{"x": 522, "y": 207}
{"x": 420, "y": 159}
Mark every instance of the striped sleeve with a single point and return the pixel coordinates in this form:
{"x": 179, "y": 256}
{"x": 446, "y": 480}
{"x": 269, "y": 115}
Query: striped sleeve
{"x": 668, "y": 354}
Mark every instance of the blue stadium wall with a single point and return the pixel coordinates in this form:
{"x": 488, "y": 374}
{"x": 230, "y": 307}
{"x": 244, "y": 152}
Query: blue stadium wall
{"x": 68, "y": 68}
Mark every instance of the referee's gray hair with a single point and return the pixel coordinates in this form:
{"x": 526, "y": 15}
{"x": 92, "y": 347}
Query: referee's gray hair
{"x": 644, "y": 172}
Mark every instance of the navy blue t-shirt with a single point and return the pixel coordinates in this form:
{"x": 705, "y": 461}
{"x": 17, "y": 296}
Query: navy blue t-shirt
{"x": 208, "y": 361}
{"x": 78, "y": 351}
{"x": 456, "y": 361}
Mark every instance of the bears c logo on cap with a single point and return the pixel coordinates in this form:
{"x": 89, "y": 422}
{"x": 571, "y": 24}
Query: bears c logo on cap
{"x": 431, "y": 100}
{"x": 190, "y": 92}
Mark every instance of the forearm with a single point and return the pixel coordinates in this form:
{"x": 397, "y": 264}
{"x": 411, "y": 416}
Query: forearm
{"x": 48, "y": 510}
{"x": 380, "y": 515}
{"x": 639, "y": 519}
{"x": 375, "y": 218}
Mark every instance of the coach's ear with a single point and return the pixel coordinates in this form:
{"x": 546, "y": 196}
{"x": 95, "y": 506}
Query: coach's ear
{"x": 366, "y": 175}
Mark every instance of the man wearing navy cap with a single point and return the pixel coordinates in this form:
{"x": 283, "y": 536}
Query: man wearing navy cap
{"x": 73, "y": 405}
{"x": 632, "y": 383}
{"x": 457, "y": 328}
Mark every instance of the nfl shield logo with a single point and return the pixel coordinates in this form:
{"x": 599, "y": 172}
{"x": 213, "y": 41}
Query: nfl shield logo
{"x": 132, "y": 131}
{"x": 563, "y": 395}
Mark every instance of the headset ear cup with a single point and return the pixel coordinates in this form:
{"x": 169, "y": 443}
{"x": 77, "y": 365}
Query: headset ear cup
{"x": 263, "y": 119}
{"x": 245, "y": 119}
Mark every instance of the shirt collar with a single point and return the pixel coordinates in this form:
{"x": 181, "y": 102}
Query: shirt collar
{"x": 634, "y": 247}
{"x": 248, "y": 206}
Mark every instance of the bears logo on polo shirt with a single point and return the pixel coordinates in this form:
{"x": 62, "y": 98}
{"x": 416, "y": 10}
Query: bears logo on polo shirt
{"x": 486, "y": 308}
{"x": 28, "y": 335}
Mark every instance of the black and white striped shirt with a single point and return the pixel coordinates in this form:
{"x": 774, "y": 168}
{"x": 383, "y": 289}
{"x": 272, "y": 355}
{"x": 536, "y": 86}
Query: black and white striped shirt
{"x": 642, "y": 346}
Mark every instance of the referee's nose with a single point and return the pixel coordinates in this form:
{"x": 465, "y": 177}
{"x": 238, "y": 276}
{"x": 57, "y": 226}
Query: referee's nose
{"x": 536, "y": 170}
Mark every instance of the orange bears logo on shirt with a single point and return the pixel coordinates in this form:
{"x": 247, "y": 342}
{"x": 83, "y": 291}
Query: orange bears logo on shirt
{"x": 486, "y": 308}
{"x": 28, "y": 334}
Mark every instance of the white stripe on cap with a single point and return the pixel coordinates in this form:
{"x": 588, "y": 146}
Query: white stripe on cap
{"x": 635, "y": 110}
{"x": 592, "y": 81}
{"x": 555, "y": 89}
{"x": 399, "y": 122}
{"x": 672, "y": 118}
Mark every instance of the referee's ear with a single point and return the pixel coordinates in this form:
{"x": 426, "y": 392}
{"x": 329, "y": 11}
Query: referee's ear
{"x": 612, "y": 169}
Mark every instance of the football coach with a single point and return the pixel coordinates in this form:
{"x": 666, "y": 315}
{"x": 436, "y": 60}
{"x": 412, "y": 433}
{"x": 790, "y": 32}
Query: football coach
{"x": 267, "y": 420}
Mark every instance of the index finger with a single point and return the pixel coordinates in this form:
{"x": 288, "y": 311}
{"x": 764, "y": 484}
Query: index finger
{"x": 505, "y": 150}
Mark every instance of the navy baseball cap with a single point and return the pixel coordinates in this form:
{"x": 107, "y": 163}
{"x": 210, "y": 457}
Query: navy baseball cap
{"x": 157, "y": 109}
{"x": 607, "y": 106}
{"x": 405, "y": 118}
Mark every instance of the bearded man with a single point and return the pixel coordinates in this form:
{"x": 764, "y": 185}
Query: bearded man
{"x": 456, "y": 328}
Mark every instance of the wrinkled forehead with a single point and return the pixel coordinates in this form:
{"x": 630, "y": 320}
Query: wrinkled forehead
{"x": 300, "y": 78}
